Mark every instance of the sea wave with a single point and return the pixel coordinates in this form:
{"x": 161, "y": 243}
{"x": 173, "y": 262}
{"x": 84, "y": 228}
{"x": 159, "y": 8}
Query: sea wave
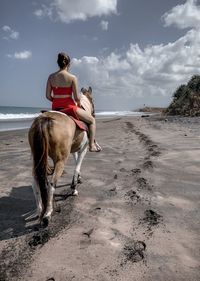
{"x": 12, "y": 116}
{"x": 15, "y": 121}
{"x": 118, "y": 113}
{"x": 23, "y": 116}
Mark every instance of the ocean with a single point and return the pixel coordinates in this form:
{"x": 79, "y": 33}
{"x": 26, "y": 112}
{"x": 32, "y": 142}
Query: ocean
{"x": 14, "y": 118}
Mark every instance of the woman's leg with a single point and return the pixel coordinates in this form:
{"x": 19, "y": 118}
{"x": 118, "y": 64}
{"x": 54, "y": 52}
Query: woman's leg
{"x": 89, "y": 119}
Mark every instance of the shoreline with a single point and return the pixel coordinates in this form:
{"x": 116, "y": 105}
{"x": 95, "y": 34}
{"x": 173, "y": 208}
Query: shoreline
{"x": 25, "y": 123}
{"x": 136, "y": 216}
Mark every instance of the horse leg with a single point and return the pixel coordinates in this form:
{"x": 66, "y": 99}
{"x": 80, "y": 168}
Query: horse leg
{"x": 75, "y": 155}
{"x": 58, "y": 170}
{"x": 47, "y": 215}
{"x": 36, "y": 213}
{"x": 37, "y": 194}
{"x": 79, "y": 159}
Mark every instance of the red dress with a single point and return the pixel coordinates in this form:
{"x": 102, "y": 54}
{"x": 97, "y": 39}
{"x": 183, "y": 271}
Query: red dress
{"x": 63, "y": 101}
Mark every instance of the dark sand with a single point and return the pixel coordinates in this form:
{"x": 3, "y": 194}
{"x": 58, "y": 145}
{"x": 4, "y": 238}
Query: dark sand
{"x": 136, "y": 217}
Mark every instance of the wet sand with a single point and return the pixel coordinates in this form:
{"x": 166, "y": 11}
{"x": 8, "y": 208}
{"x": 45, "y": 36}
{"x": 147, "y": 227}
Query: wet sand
{"x": 136, "y": 217}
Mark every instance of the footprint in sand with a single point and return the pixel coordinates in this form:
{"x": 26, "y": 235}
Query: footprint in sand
{"x": 133, "y": 196}
{"x": 89, "y": 232}
{"x": 112, "y": 191}
{"x": 151, "y": 218}
{"x": 142, "y": 182}
{"x": 95, "y": 211}
{"x": 39, "y": 238}
{"x": 86, "y": 240}
{"x": 136, "y": 171}
{"x": 122, "y": 170}
{"x": 155, "y": 153}
{"x": 148, "y": 164}
{"x": 134, "y": 251}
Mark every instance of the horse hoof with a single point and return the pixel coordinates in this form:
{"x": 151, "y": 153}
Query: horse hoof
{"x": 79, "y": 180}
{"x": 45, "y": 221}
{"x": 75, "y": 192}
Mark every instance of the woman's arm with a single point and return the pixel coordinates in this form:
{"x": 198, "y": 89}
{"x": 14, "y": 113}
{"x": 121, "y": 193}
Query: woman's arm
{"x": 75, "y": 90}
{"x": 48, "y": 90}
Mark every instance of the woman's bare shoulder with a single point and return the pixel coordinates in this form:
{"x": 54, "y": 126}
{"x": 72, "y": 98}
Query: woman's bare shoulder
{"x": 72, "y": 76}
{"x": 52, "y": 75}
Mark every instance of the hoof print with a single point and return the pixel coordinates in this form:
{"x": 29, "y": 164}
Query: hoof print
{"x": 134, "y": 251}
{"x": 152, "y": 218}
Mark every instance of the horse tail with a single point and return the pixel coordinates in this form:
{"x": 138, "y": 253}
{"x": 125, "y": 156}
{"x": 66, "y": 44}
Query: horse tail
{"x": 40, "y": 148}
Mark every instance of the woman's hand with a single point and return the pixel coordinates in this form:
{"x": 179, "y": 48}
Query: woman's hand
{"x": 78, "y": 101}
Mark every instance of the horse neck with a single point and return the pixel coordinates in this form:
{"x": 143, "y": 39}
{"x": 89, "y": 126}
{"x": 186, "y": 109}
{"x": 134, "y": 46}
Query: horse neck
{"x": 87, "y": 104}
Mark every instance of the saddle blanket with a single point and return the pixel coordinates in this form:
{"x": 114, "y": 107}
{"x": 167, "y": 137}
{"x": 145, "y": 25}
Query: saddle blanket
{"x": 80, "y": 124}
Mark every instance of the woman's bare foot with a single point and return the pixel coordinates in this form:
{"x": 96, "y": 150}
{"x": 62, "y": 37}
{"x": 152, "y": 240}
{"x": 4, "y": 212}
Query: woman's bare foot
{"x": 97, "y": 145}
{"x": 94, "y": 148}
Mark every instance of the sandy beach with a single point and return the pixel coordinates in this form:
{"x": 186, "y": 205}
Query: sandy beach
{"x": 136, "y": 218}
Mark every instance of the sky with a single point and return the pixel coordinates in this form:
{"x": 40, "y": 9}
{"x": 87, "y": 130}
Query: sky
{"x": 131, "y": 52}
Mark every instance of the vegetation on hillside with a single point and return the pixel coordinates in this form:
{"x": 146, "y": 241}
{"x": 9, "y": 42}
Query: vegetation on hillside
{"x": 186, "y": 99}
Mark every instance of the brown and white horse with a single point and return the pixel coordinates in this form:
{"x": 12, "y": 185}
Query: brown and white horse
{"x": 54, "y": 134}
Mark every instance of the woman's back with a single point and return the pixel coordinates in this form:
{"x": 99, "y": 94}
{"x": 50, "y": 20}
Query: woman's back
{"x": 61, "y": 78}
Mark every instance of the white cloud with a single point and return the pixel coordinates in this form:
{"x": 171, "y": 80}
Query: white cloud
{"x": 104, "y": 25}
{"x": 154, "y": 71}
{"x": 184, "y": 15}
{"x": 6, "y": 28}
{"x": 20, "y": 55}
{"x": 10, "y": 33}
{"x": 71, "y": 10}
{"x": 14, "y": 35}
{"x": 149, "y": 74}
{"x": 39, "y": 13}
{"x": 44, "y": 11}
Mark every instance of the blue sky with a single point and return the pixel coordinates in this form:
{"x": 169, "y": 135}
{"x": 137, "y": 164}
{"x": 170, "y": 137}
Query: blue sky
{"x": 132, "y": 52}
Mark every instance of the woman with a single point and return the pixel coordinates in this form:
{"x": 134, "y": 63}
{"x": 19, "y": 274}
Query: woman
{"x": 60, "y": 87}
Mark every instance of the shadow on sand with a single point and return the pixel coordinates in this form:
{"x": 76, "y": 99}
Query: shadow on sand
{"x": 13, "y": 210}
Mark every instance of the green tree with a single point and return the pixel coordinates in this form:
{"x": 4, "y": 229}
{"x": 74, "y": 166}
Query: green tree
{"x": 179, "y": 92}
{"x": 186, "y": 99}
{"x": 194, "y": 83}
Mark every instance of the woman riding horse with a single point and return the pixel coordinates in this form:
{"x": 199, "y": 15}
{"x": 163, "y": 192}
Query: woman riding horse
{"x": 60, "y": 87}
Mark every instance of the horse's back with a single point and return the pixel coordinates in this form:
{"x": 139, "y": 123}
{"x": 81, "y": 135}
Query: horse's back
{"x": 64, "y": 136}
{"x": 63, "y": 125}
